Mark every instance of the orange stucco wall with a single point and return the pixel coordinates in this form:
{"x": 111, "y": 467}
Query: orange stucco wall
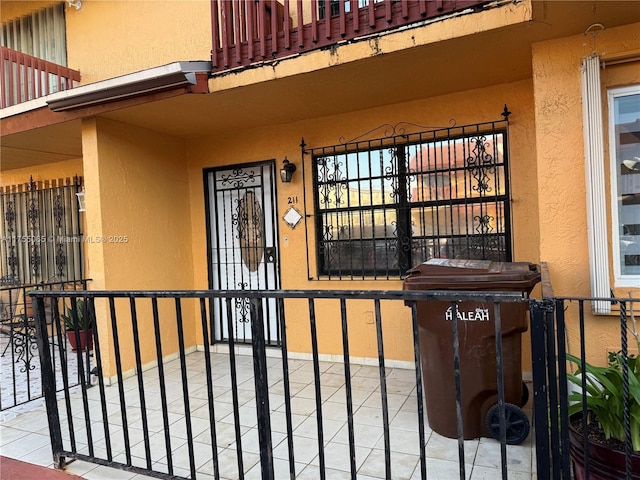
{"x": 178, "y": 31}
{"x": 280, "y": 141}
{"x": 12, "y": 9}
{"x": 137, "y": 191}
{"x": 42, "y": 172}
{"x": 560, "y": 147}
{"x": 145, "y": 190}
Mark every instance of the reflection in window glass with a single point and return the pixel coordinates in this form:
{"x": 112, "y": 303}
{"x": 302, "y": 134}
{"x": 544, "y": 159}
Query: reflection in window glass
{"x": 388, "y": 205}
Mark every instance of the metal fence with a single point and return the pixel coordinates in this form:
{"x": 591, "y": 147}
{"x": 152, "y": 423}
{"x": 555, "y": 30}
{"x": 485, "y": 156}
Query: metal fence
{"x": 178, "y": 407}
{"x": 565, "y": 419}
{"x": 20, "y": 373}
{"x": 41, "y": 230}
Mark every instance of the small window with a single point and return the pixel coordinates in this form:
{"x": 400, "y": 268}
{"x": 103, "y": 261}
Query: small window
{"x": 624, "y": 135}
{"x": 41, "y": 34}
{"x": 41, "y": 231}
{"x": 387, "y": 205}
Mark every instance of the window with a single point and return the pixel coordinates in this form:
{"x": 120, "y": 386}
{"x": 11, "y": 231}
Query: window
{"x": 624, "y": 136}
{"x": 41, "y": 232}
{"x": 334, "y": 6}
{"x": 386, "y": 205}
{"x": 41, "y": 34}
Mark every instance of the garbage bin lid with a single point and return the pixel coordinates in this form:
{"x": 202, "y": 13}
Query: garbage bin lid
{"x": 463, "y": 274}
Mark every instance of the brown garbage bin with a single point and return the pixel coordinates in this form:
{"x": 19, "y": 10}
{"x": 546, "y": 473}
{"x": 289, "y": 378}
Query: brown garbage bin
{"x": 477, "y": 346}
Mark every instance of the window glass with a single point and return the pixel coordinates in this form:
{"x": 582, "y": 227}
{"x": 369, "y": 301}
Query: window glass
{"x": 624, "y": 107}
{"x": 387, "y": 205}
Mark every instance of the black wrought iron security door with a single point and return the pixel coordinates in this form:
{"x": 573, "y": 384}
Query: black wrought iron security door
{"x": 243, "y": 237}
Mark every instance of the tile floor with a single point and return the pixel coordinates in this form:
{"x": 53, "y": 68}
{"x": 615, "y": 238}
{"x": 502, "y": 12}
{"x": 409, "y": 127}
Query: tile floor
{"x": 20, "y": 382}
{"x": 25, "y": 437}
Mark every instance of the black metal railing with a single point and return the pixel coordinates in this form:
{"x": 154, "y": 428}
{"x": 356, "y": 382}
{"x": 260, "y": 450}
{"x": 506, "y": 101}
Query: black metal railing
{"x": 20, "y": 372}
{"x": 566, "y": 421}
{"x": 170, "y": 405}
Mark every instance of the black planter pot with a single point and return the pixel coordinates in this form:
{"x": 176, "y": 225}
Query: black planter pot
{"x": 605, "y": 463}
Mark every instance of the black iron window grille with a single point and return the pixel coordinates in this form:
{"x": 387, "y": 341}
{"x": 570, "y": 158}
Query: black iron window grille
{"x": 383, "y": 206}
{"x": 41, "y": 234}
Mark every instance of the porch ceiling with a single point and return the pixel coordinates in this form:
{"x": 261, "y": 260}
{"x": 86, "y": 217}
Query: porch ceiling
{"x": 53, "y": 143}
{"x": 492, "y": 58}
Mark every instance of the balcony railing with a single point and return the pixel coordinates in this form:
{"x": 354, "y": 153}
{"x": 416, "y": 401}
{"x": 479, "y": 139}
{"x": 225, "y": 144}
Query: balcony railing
{"x": 24, "y": 78}
{"x": 247, "y": 32}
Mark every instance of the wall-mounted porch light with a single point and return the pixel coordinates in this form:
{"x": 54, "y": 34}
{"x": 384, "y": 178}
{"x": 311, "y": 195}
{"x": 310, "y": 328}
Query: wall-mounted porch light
{"x": 286, "y": 172}
{"x": 81, "y": 205}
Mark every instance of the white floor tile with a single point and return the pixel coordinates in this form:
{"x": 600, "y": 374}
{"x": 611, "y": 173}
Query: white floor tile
{"x": 372, "y": 416}
{"x": 394, "y": 401}
{"x": 404, "y": 420}
{"x": 108, "y": 473}
{"x": 25, "y": 445}
{"x": 402, "y": 465}
{"x": 309, "y": 428}
{"x": 250, "y": 442}
{"x": 9, "y": 434}
{"x": 42, "y": 456}
{"x": 444, "y": 448}
{"x": 442, "y": 453}
{"x": 518, "y": 456}
{"x": 338, "y": 457}
{"x": 401, "y": 441}
{"x": 358, "y": 397}
{"x": 280, "y": 470}
{"x": 364, "y": 435}
{"x": 80, "y": 468}
{"x": 486, "y": 473}
{"x": 228, "y": 463}
{"x": 442, "y": 470}
{"x": 304, "y": 450}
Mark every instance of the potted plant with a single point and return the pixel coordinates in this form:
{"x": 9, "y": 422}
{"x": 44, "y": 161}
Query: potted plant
{"x": 81, "y": 336}
{"x": 604, "y": 400}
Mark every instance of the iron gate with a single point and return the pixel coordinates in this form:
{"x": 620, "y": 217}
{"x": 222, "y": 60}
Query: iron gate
{"x": 242, "y": 231}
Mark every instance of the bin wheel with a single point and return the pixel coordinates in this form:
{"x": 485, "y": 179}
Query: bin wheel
{"x": 516, "y": 422}
{"x": 525, "y": 395}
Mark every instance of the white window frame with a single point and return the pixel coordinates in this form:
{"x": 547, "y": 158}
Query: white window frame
{"x": 620, "y": 279}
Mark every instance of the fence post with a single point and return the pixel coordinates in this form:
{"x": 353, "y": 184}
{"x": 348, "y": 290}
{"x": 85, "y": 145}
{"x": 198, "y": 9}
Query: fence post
{"x": 262, "y": 389}
{"x": 538, "y": 311}
{"x": 48, "y": 381}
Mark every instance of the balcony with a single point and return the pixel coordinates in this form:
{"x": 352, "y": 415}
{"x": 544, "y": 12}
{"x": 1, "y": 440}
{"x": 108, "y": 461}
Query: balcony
{"x": 24, "y": 78}
{"x": 248, "y": 32}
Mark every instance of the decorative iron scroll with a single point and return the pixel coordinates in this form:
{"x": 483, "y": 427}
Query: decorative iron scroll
{"x": 386, "y": 204}
{"x": 400, "y": 129}
{"x": 33, "y": 217}
{"x": 10, "y": 219}
{"x": 25, "y": 348}
{"x": 239, "y": 178}
{"x": 331, "y": 192}
{"x": 480, "y": 164}
{"x": 243, "y": 307}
